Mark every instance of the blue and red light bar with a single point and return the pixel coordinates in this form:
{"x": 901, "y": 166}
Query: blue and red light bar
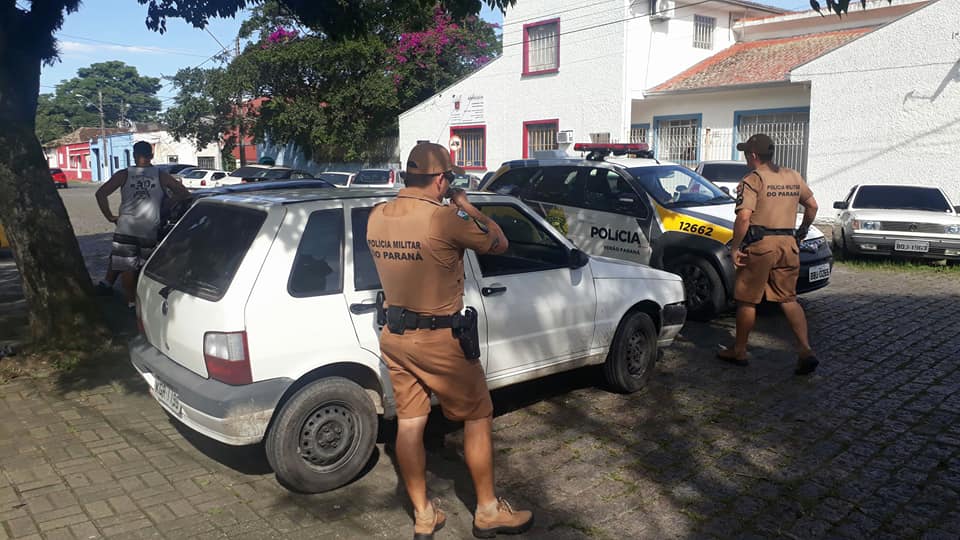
{"x": 611, "y": 147}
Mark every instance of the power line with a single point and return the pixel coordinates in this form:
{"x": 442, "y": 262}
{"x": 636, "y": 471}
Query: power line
{"x": 222, "y": 46}
{"x": 142, "y": 47}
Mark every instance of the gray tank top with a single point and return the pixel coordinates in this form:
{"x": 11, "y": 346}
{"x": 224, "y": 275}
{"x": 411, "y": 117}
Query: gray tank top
{"x": 140, "y": 199}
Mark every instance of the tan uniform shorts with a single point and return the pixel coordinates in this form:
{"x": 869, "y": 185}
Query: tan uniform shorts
{"x": 422, "y": 362}
{"x": 773, "y": 266}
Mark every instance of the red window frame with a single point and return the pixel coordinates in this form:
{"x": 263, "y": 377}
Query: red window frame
{"x": 526, "y": 145}
{"x": 455, "y": 129}
{"x": 526, "y": 47}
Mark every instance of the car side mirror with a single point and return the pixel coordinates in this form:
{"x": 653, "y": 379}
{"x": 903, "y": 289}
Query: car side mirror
{"x": 578, "y": 259}
{"x": 725, "y": 189}
{"x": 841, "y": 205}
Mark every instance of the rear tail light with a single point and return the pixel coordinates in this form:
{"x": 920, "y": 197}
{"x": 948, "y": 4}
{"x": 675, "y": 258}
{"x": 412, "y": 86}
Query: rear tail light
{"x": 227, "y": 357}
{"x": 392, "y": 177}
{"x": 203, "y": 182}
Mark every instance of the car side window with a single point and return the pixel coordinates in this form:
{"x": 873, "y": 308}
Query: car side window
{"x": 514, "y": 182}
{"x": 532, "y": 248}
{"x": 318, "y": 265}
{"x": 219, "y": 175}
{"x": 607, "y": 191}
{"x": 558, "y": 185}
{"x": 365, "y": 277}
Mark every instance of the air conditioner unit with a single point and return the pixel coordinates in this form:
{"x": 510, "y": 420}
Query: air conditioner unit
{"x": 565, "y": 137}
{"x": 662, "y": 10}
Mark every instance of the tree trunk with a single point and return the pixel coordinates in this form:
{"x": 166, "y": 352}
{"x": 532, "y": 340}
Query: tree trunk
{"x": 56, "y": 284}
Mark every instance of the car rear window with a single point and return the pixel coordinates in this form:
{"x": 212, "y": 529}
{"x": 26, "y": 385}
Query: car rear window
{"x": 725, "y": 172}
{"x": 513, "y": 182}
{"x": 55, "y": 171}
{"x": 203, "y": 252}
{"x": 334, "y": 178}
{"x": 901, "y": 197}
{"x": 250, "y": 172}
{"x": 196, "y": 174}
{"x": 372, "y": 177}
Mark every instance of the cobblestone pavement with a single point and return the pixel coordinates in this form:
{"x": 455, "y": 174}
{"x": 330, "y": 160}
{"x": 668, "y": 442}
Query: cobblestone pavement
{"x": 867, "y": 447}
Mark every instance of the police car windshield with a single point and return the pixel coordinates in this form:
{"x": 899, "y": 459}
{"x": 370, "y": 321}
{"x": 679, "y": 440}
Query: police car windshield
{"x": 673, "y": 186}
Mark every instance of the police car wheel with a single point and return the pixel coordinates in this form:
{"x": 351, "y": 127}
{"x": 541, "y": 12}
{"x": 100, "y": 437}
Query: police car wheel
{"x": 323, "y": 436}
{"x": 703, "y": 287}
{"x": 633, "y": 353}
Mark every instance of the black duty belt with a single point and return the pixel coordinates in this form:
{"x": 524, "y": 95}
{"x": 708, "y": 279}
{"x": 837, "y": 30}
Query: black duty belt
{"x": 412, "y": 321}
{"x": 779, "y": 232}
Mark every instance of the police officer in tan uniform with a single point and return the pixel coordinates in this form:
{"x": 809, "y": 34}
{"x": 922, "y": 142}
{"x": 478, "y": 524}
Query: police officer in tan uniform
{"x": 417, "y": 244}
{"x": 765, "y": 247}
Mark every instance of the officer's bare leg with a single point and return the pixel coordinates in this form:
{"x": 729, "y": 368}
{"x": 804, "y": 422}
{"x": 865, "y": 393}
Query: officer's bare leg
{"x": 746, "y": 317}
{"x": 412, "y": 458}
{"x": 478, "y": 450}
{"x": 798, "y": 323}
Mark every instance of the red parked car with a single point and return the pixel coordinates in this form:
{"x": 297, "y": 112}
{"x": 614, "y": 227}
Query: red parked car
{"x": 59, "y": 179}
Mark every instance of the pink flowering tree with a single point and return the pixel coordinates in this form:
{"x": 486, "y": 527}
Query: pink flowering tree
{"x": 423, "y": 62}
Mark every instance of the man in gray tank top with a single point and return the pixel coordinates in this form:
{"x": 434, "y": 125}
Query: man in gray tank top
{"x": 142, "y": 189}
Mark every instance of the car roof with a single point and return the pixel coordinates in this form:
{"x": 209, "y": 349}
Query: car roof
{"x": 282, "y": 197}
{"x": 610, "y": 161}
{"x": 722, "y": 162}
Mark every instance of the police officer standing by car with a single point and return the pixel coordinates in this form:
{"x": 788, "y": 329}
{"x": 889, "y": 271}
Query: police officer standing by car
{"x": 765, "y": 247}
{"x": 428, "y": 345}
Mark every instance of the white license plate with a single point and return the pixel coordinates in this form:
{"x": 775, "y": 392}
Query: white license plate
{"x": 819, "y": 272}
{"x": 167, "y": 396}
{"x": 912, "y": 245}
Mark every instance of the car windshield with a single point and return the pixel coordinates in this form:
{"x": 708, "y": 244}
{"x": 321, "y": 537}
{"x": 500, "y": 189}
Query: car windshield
{"x": 901, "y": 198}
{"x": 372, "y": 177}
{"x": 250, "y": 172}
{"x": 196, "y": 174}
{"x": 724, "y": 172}
{"x": 675, "y": 186}
{"x": 339, "y": 179}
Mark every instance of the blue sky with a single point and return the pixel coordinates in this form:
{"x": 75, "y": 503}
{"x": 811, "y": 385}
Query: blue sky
{"x": 105, "y": 30}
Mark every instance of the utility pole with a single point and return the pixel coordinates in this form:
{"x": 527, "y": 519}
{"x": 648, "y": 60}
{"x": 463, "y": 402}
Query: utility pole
{"x": 103, "y": 139}
{"x": 243, "y": 157}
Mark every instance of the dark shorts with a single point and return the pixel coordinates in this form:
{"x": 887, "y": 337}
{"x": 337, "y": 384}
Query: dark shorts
{"x": 773, "y": 266}
{"x": 129, "y": 253}
{"x": 422, "y": 362}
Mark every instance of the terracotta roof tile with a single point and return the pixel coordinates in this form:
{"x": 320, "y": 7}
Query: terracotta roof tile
{"x": 757, "y": 62}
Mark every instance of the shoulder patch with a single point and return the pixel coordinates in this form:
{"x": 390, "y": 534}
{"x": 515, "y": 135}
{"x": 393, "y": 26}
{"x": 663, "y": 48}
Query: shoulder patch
{"x": 463, "y": 215}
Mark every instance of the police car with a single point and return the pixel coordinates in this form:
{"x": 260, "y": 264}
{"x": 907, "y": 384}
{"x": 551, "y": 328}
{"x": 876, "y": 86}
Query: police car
{"x": 258, "y": 321}
{"x": 619, "y": 202}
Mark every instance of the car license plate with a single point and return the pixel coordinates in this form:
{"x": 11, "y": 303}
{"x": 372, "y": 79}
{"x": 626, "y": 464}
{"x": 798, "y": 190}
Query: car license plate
{"x": 819, "y": 272}
{"x": 915, "y": 246}
{"x": 167, "y": 396}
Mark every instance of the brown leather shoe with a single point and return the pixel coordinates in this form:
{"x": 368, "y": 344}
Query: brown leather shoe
{"x": 425, "y": 525}
{"x": 505, "y": 521}
{"x": 730, "y": 356}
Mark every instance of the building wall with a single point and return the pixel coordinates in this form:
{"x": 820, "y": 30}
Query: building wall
{"x": 586, "y": 94}
{"x": 166, "y": 149}
{"x": 885, "y": 112}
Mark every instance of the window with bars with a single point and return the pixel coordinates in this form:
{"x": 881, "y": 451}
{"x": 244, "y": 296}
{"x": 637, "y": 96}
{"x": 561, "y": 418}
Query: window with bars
{"x": 539, "y": 136}
{"x": 600, "y": 137}
{"x": 639, "y": 133}
{"x": 541, "y": 47}
{"x": 678, "y": 140}
{"x": 703, "y": 31}
{"x": 790, "y": 131}
{"x": 472, "y": 153}
{"x": 206, "y": 162}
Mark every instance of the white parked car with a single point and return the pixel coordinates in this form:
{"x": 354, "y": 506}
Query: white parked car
{"x": 259, "y": 322}
{"x": 907, "y": 221}
{"x": 377, "y": 178}
{"x": 202, "y": 178}
{"x": 724, "y": 174}
{"x": 339, "y": 179}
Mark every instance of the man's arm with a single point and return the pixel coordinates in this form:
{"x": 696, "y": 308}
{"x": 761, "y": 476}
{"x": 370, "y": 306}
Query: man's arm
{"x": 810, "y": 208}
{"x": 106, "y": 189}
{"x": 740, "y": 226}
{"x": 500, "y": 242}
{"x": 170, "y": 183}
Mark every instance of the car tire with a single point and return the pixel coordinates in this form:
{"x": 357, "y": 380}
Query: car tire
{"x": 633, "y": 354}
{"x": 333, "y": 412}
{"x": 703, "y": 288}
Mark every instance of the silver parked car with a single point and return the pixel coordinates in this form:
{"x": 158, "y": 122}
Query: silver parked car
{"x": 726, "y": 175}
{"x": 908, "y": 221}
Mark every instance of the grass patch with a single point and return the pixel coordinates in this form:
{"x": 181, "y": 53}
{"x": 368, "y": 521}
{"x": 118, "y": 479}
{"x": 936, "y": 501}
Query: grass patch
{"x": 899, "y": 265}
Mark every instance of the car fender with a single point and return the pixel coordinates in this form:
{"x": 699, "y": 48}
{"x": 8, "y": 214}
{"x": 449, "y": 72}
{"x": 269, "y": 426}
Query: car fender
{"x": 616, "y": 297}
{"x": 672, "y": 244}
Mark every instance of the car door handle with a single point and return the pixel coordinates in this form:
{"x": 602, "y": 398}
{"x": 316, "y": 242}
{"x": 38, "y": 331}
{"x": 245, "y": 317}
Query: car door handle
{"x": 487, "y": 291}
{"x": 360, "y": 309}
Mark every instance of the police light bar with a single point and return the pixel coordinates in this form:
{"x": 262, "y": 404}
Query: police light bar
{"x": 612, "y": 147}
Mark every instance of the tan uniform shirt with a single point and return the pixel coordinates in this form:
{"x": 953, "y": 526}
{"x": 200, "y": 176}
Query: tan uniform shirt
{"x": 417, "y": 246}
{"x": 773, "y": 196}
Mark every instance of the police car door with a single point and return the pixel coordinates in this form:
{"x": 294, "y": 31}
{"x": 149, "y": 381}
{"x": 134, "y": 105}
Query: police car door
{"x": 361, "y": 282}
{"x": 540, "y": 311}
{"x": 617, "y": 219}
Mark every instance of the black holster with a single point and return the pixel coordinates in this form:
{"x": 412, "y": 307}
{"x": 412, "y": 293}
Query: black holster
{"x": 755, "y": 233}
{"x": 468, "y": 333}
{"x": 381, "y": 309}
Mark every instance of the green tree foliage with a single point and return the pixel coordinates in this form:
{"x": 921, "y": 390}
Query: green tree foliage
{"x": 126, "y": 94}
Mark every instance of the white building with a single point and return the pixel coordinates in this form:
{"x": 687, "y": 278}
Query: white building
{"x": 166, "y": 149}
{"x": 692, "y": 79}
